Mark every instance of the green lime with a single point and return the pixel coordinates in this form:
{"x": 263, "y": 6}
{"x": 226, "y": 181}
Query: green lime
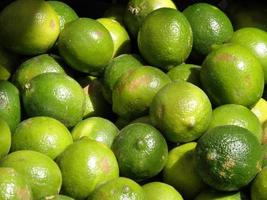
{"x": 210, "y": 26}
{"x": 232, "y": 114}
{"x": 180, "y": 171}
{"x": 86, "y": 45}
{"x": 5, "y": 139}
{"x": 96, "y": 128}
{"x": 13, "y": 186}
{"x": 141, "y": 151}
{"x": 218, "y": 195}
{"x": 137, "y": 10}
{"x": 185, "y": 72}
{"x": 260, "y": 110}
{"x": 65, "y": 13}
{"x": 133, "y": 92}
{"x": 181, "y": 116}
{"x": 119, "y": 188}
{"x": 54, "y": 95}
{"x": 228, "y": 157}
{"x": 40, "y": 171}
{"x": 85, "y": 165}
{"x": 159, "y": 191}
{"x": 231, "y": 74}
{"x": 28, "y": 70}
{"x": 10, "y": 110}
{"x": 165, "y": 38}
{"x": 120, "y": 37}
{"x": 259, "y": 186}
{"x": 43, "y": 134}
{"x": 29, "y": 27}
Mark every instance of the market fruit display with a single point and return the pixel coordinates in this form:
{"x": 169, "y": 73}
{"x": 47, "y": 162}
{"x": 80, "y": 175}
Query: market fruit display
{"x": 133, "y": 100}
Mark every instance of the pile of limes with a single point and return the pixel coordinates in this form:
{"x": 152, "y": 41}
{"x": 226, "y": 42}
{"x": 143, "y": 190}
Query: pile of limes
{"x": 150, "y": 101}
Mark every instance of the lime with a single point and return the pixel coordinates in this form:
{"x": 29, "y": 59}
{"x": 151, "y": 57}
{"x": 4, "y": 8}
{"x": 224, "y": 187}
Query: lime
{"x": 231, "y": 74}
{"x": 181, "y": 116}
{"x": 58, "y": 197}
{"x": 259, "y": 186}
{"x": 165, "y": 38}
{"x": 216, "y": 195}
{"x": 54, "y": 95}
{"x": 141, "y": 151}
{"x": 86, "y": 45}
{"x": 228, "y": 157}
{"x": 29, "y": 27}
{"x": 260, "y": 110}
{"x": 85, "y": 165}
{"x": 40, "y": 171}
{"x": 5, "y": 139}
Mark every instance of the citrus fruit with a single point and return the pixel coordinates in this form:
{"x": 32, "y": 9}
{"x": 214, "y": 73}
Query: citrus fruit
{"x": 209, "y": 25}
{"x": 65, "y": 13}
{"x": 54, "y": 95}
{"x": 86, "y": 45}
{"x": 85, "y": 165}
{"x": 141, "y": 151}
{"x": 185, "y": 72}
{"x": 165, "y": 38}
{"x": 13, "y": 186}
{"x": 96, "y": 128}
{"x": 5, "y": 138}
{"x": 115, "y": 12}
{"x": 260, "y": 110}
{"x": 180, "y": 171}
{"x": 58, "y": 197}
{"x": 116, "y": 68}
{"x": 120, "y": 37}
{"x": 159, "y": 191}
{"x": 9, "y": 104}
{"x": 40, "y": 171}
{"x": 137, "y": 10}
{"x": 8, "y": 62}
{"x": 134, "y": 91}
{"x": 182, "y": 111}
{"x": 119, "y": 188}
{"x": 259, "y": 186}
{"x": 232, "y": 114}
{"x": 43, "y": 134}
{"x": 95, "y": 102}
{"x": 231, "y": 74}
{"x": 28, "y": 70}
{"x": 218, "y": 195}
{"x": 28, "y": 27}
{"x": 228, "y": 157}
{"x": 256, "y": 40}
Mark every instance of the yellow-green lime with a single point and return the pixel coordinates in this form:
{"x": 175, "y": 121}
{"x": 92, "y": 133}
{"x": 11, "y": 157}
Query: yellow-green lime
{"x": 233, "y": 114}
{"x": 180, "y": 171}
{"x": 259, "y": 186}
{"x": 159, "y": 191}
{"x": 210, "y": 194}
{"x": 54, "y": 95}
{"x": 86, "y": 45}
{"x": 165, "y": 38}
{"x": 5, "y": 138}
{"x": 28, "y": 69}
{"x": 96, "y": 128}
{"x": 120, "y": 37}
{"x": 231, "y": 74}
{"x": 185, "y": 72}
{"x": 141, "y": 151}
{"x": 181, "y": 116}
{"x": 65, "y": 13}
{"x": 260, "y": 110}
{"x": 10, "y": 109}
{"x": 137, "y": 10}
{"x": 119, "y": 188}
{"x": 133, "y": 92}
{"x": 40, "y": 171}
{"x": 29, "y": 27}
{"x": 85, "y": 165}
{"x": 210, "y": 26}
{"x": 43, "y": 134}
{"x": 13, "y": 186}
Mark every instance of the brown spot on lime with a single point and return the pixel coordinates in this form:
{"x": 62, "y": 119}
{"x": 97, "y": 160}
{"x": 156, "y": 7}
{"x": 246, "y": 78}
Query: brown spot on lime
{"x": 23, "y": 193}
{"x": 225, "y": 57}
{"x": 52, "y": 24}
{"x": 228, "y": 164}
{"x": 222, "y": 174}
{"x": 105, "y": 165}
{"x": 141, "y": 81}
{"x": 211, "y": 156}
{"x": 264, "y": 140}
